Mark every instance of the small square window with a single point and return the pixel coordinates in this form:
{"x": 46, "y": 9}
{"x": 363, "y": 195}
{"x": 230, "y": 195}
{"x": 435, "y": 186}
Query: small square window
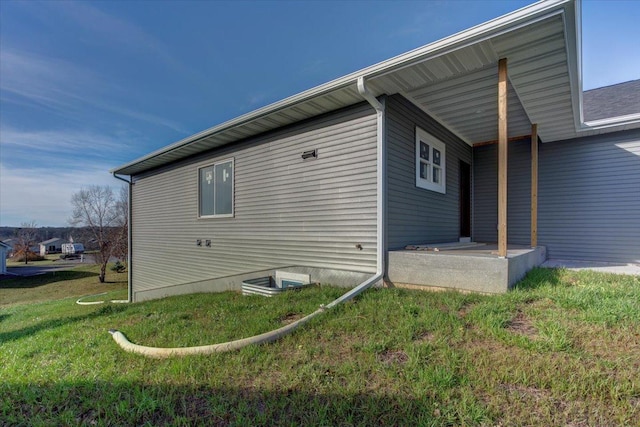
{"x": 430, "y": 162}
{"x": 424, "y": 171}
{"x": 424, "y": 151}
{"x": 436, "y": 157}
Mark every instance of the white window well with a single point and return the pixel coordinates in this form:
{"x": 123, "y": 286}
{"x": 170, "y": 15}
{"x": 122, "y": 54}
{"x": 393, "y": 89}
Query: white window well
{"x": 431, "y": 161}
{"x": 215, "y": 190}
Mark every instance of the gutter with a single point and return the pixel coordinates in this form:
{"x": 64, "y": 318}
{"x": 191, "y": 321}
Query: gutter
{"x": 129, "y": 236}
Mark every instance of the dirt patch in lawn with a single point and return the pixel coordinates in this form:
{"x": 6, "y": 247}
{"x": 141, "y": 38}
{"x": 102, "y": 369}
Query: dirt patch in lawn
{"x": 424, "y": 337}
{"x": 522, "y": 325}
{"x": 464, "y": 310}
{"x": 291, "y": 317}
{"x": 393, "y": 357}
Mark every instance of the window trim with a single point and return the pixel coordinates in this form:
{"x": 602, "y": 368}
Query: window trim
{"x": 233, "y": 189}
{"x": 428, "y": 184}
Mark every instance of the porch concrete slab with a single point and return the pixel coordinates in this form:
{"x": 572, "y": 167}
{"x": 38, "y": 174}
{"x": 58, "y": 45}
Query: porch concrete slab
{"x": 602, "y": 267}
{"x": 478, "y": 270}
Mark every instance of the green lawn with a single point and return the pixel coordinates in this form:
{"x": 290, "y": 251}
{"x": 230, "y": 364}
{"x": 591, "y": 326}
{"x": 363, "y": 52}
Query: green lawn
{"x": 81, "y": 280}
{"x": 48, "y": 260}
{"x": 562, "y": 349}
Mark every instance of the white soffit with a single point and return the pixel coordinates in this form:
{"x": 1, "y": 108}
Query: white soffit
{"x": 460, "y": 88}
{"x": 539, "y": 70}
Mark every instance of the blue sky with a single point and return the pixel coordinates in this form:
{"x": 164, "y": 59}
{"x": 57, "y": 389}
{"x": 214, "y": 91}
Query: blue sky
{"x": 87, "y": 86}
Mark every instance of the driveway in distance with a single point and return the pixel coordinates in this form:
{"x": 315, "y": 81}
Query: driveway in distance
{"x": 34, "y": 269}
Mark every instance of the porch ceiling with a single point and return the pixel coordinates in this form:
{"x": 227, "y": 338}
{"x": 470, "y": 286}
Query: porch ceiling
{"x": 460, "y": 88}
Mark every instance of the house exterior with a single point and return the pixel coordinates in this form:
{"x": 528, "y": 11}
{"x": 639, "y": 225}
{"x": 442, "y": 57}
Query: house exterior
{"x": 9, "y": 243}
{"x": 4, "y": 251}
{"x": 51, "y": 246}
{"x": 484, "y": 135}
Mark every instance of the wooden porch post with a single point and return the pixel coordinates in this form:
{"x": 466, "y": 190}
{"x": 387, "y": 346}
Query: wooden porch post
{"x": 534, "y": 185}
{"x": 502, "y": 158}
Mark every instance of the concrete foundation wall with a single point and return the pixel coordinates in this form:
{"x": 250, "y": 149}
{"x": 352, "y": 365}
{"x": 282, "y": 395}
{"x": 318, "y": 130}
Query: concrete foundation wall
{"x": 346, "y": 279}
{"x": 488, "y": 274}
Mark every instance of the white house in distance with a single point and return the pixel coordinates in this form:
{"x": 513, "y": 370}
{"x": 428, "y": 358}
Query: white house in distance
{"x": 484, "y": 136}
{"x": 4, "y": 250}
{"x": 51, "y": 246}
{"x": 9, "y": 243}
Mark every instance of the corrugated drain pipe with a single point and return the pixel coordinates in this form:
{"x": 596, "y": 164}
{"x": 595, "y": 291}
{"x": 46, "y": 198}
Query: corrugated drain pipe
{"x": 157, "y": 352}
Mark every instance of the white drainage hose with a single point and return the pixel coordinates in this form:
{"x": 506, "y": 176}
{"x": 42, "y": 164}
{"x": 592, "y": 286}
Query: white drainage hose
{"x": 159, "y": 353}
{"x": 115, "y": 301}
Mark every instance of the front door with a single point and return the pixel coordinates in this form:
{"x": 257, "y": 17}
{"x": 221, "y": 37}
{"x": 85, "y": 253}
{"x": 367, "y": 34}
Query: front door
{"x": 465, "y": 199}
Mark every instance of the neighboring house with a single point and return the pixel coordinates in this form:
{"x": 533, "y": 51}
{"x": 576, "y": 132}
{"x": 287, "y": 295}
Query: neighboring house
{"x": 4, "y": 251}
{"x": 51, "y": 246}
{"x": 331, "y": 181}
{"x": 10, "y": 243}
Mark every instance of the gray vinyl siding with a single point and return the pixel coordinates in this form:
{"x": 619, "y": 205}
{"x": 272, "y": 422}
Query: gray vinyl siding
{"x": 485, "y": 193}
{"x": 416, "y": 215}
{"x": 588, "y": 196}
{"x": 287, "y": 212}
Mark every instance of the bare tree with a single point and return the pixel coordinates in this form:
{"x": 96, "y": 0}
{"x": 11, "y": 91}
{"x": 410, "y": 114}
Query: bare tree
{"x": 26, "y": 238}
{"x": 96, "y": 208}
{"x": 121, "y": 248}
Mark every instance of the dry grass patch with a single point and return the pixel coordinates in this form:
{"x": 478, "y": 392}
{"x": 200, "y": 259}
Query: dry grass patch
{"x": 393, "y": 357}
{"x": 291, "y": 317}
{"x": 424, "y": 337}
{"x": 521, "y": 324}
{"x": 522, "y": 387}
{"x": 609, "y": 343}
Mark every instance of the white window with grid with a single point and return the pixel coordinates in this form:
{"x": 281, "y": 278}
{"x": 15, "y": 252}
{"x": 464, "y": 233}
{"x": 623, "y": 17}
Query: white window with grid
{"x": 430, "y": 162}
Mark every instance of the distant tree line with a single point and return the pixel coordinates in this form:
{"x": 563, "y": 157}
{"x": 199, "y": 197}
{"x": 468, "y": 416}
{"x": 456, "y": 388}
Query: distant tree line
{"x": 40, "y": 234}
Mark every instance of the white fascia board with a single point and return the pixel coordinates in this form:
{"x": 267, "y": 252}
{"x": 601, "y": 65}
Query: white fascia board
{"x": 508, "y": 22}
{"x": 629, "y": 119}
{"x": 581, "y": 124}
{"x": 578, "y": 55}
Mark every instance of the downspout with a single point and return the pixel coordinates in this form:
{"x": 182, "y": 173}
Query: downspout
{"x": 129, "y": 234}
{"x": 381, "y": 167}
{"x": 157, "y": 352}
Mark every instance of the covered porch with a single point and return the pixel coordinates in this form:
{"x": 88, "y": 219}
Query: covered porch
{"x": 520, "y": 95}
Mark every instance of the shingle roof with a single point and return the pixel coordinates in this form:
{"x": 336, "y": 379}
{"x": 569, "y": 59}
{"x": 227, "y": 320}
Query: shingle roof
{"x": 616, "y": 100}
{"x": 54, "y": 240}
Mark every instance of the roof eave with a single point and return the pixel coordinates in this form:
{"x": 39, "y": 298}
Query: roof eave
{"x": 479, "y": 32}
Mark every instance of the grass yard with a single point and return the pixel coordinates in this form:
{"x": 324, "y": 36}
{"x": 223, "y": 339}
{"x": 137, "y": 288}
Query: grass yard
{"x": 82, "y": 280}
{"x": 562, "y": 349}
